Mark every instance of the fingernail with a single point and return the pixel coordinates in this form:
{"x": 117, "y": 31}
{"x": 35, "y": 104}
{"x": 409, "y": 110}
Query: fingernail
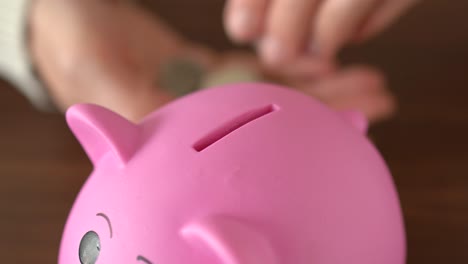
{"x": 271, "y": 51}
{"x": 240, "y": 23}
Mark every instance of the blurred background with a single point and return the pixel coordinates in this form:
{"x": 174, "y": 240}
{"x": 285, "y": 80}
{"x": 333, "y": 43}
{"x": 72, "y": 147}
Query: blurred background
{"x": 425, "y": 58}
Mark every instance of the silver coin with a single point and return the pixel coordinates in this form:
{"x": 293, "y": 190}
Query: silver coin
{"x": 230, "y": 75}
{"x": 180, "y": 76}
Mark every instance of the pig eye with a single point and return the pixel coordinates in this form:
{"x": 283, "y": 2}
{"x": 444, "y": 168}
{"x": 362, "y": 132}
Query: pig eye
{"x": 90, "y": 247}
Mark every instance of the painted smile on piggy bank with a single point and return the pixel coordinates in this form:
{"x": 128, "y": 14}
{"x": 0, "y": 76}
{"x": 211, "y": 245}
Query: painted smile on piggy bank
{"x": 238, "y": 174}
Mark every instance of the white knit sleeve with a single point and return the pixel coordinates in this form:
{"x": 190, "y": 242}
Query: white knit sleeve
{"x": 15, "y": 60}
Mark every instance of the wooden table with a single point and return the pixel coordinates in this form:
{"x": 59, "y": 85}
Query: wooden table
{"x": 425, "y": 57}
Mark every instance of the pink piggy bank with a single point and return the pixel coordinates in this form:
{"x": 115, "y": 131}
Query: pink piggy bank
{"x": 238, "y": 174}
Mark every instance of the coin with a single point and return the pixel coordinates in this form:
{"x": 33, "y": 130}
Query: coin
{"x": 180, "y": 76}
{"x": 230, "y": 75}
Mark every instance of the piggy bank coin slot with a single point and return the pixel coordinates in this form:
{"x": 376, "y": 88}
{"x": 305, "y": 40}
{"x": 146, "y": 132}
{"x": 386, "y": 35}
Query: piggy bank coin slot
{"x": 233, "y": 125}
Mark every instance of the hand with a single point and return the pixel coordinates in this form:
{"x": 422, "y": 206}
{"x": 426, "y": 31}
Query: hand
{"x": 109, "y": 52}
{"x": 104, "y": 52}
{"x": 358, "y": 88}
{"x": 288, "y": 29}
{"x": 306, "y": 35}
{"x": 355, "y": 88}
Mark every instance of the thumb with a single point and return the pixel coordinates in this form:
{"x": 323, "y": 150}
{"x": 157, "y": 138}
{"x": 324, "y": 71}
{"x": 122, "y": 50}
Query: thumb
{"x": 132, "y": 98}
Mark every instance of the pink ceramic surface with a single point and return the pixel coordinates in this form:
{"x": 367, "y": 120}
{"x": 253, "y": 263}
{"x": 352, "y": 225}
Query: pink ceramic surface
{"x": 240, "y": 174}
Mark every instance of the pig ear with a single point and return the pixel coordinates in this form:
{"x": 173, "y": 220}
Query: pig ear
{"x": 356, "y": 119}
{"x": 101, "y": 131}
{"x": 231, "y": 241}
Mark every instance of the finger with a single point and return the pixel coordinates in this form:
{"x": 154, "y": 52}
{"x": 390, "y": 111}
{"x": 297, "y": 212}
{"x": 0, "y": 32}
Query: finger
{"x": 357, "y": 79}
{"x": 384, "y": 16}
{"x": 307, "y": 68}
{"x": 287, "y": 29}
{"x": 243, "y": 19}
{"x": 338, "y": 21}
{"x": 357, "y": 88}
{"x": 133, "y": 103}
{"x": 376, "y": 107}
